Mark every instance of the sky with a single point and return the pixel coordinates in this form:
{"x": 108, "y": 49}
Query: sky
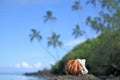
{"x": 18, "y": 17}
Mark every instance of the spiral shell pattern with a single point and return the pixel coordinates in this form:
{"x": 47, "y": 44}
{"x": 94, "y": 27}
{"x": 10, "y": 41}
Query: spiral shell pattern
{"x": 74, "y": 67}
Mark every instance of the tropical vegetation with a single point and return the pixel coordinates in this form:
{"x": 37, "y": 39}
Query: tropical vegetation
{"x": 103, "y": 52}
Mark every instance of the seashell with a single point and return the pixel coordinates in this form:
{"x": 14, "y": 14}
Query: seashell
{"x": 75, "y": 67}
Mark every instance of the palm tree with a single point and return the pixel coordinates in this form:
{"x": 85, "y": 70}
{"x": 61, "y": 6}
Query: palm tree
{"x": 36, "y": 34}
{"x": 77, "y": 8}
{"x": 49, "y": 17}
{"x": 77, "y": 32}
{"x": 54, "y": 41}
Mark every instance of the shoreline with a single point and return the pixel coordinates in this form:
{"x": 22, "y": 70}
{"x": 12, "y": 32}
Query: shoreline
{"x": 49, "y": 76}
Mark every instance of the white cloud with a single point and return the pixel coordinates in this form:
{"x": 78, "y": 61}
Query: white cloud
{"x": 23, "y": 65}
{"x": 52, "y": 63}
{"x": 26, "y": 65}
{"x": 75, "y": 41}
{"x": 37, "y": 65}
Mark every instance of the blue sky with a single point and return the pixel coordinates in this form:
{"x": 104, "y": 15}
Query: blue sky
{"x": 18, "y": 17}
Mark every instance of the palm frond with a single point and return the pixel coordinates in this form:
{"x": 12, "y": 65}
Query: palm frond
{"x": 31, "y": 39}
{"x": 49, "y": 16}
{"x": 54, "y": 40}
{"x": 33, "y": 30}
{"x": 49, "y": 13}
{"x": 77, "y": 32}
{"x": 49, "y": 43}
{"x": 35, "y": 34}
{"x": 77, "y": 6}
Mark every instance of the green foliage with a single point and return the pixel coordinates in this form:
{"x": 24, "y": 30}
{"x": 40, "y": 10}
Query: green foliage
{"x": 54, "y": 40}
{"x": 109, "y": 16}
{"x": 77, "y": 32}
{"x": 100, "y": 53}
{"x": 49, "y": 16}
{"x": 77, "y": 52}
{"x": 35, "y": 34}
{"x": 76, "y": 6}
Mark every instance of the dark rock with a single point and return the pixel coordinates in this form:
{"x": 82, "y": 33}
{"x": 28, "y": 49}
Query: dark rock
{"x": 109, "y": 77}
{"x": 72, "y": 77}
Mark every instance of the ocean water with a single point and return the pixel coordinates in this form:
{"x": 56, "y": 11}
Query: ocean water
{"x": 18, "y": 77}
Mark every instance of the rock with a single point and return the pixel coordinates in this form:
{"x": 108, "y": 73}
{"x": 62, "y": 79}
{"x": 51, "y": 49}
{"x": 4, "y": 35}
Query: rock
{"x": 72, "y": 77}
{"x": 110, "y": 77}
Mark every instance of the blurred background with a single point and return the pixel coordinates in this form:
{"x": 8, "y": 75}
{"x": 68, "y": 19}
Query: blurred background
{"x": 45, "y": 34}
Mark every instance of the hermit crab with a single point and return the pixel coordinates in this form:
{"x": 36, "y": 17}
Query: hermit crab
{"x": 75, "y": 67}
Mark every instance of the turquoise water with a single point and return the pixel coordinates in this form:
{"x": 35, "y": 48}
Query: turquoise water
{"x": 18, "y": 77}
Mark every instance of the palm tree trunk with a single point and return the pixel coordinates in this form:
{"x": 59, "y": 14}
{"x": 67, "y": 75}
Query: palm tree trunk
{"x": 97, "y": 15}
{"x": 51, "y": 27}
{"x": 82, "y": 24}
{"x": 46, "y": 49}
{"x": 64, "y": 49}
{"x": 57, "y": 53}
